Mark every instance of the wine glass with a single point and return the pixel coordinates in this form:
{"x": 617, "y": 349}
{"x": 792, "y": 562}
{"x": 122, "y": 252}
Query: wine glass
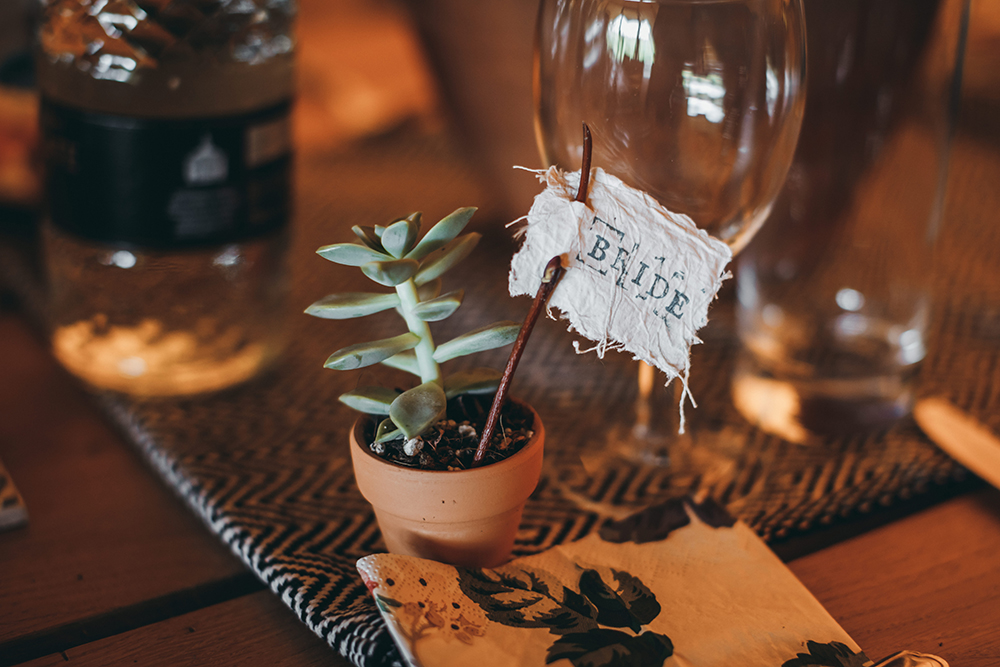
{"x": 696, "y": 102}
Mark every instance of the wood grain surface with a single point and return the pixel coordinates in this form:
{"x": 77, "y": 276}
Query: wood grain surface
{"x": 255, "y": 629}
{"x": 929, "y": 583}
{"x": 103, "y": 531}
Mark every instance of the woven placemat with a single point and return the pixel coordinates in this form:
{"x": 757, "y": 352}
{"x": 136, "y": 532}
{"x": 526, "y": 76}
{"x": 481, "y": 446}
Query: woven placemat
{"x": 266, "y": 465}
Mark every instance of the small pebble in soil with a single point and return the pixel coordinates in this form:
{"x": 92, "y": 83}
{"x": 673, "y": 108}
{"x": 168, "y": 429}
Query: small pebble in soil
{"x": 413, "y": 446}
{"x": 451, "y": 443}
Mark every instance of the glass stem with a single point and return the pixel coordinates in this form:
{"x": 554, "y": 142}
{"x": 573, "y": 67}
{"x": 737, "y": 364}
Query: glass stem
{"x": 656, "y": 416}
{"x": 642, "y": 409}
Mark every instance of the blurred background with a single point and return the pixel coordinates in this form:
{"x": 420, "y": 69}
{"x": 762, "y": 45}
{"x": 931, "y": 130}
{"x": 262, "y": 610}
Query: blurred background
{"x": 364, "y": 71}
{"x": 377, "y": 66}
{"x": 458, "y": 76}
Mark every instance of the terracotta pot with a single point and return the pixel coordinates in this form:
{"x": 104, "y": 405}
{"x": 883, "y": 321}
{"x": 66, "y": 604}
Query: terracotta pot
{"x": 467, "y": 518}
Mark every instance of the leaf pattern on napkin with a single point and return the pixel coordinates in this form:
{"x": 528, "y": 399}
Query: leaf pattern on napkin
{"x": 611, "y": 648}
{"x": 833, "y": 654}
{"x": 629, "y": 605}
{"x": 523, "y": 599}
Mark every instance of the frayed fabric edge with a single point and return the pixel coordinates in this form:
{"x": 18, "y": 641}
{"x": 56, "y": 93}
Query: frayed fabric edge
{"x": 606, "y": 343}
{"x": 602, "y": 346}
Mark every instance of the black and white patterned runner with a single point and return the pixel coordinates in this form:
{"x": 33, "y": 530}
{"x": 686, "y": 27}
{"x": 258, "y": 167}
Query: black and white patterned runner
{"x": 266, "y": 465}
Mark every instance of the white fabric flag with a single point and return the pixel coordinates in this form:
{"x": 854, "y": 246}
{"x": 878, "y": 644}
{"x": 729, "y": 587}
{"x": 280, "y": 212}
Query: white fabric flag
{"x": 638, "y": 277}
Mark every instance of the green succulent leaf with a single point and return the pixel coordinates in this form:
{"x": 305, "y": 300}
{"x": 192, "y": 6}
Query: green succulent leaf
{"x": 399, "y": 237}
{"x": 444, "y": 258}
{"x": 475, "y": 381}
{"x": 442, "y": 233}
{"x": 351, "y": 254}
{"x": 485, "y": 338}
{"x": 392, "y": 272}
{"x": 370, "y": 400}
{"x": 440, "y": 308}
{"x": 404, "y": 361}
{"x": 387, "y": 431}
{"x": 416, "y": 409}
{"x": 429, "y": 290}
{"x": 379, "y": 230}
{"x": 352, "y": 304}
{"x": 366, "y": 354}
{"x": 368, "y": 237}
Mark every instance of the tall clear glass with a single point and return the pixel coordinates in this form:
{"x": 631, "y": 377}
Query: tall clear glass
{"x": 697, "y": 102}
{"x": 833, "y": 295}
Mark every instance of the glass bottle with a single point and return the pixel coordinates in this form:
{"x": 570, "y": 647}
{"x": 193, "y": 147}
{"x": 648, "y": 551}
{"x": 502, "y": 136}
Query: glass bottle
{"x": 166, "y": 140}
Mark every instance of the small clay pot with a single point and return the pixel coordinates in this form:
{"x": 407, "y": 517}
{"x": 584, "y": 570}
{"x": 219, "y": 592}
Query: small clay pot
{"x": 467, "y": 518}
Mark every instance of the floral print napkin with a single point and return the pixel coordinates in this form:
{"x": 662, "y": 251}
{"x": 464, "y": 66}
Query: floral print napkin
{"x": 679, "y": 585}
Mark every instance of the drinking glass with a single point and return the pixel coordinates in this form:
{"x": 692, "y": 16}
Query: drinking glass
{"x": 696, "y": 102}
{"x": 834, "y": 295}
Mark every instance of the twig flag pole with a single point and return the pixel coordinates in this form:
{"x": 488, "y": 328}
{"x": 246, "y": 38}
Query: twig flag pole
{"x": 550, "y": 278}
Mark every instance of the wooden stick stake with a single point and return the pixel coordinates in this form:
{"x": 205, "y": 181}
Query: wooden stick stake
{"x": 588, "y": 148}
{"x": 553, "y": 272}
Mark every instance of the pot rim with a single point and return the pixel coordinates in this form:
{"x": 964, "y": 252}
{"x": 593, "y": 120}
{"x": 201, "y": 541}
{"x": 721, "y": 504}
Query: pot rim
{"x": 536, "y": 426}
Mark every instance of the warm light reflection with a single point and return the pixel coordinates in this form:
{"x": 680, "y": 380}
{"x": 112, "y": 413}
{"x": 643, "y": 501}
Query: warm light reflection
{"x": 851, "y": 325}
{"x": 113, "y": 68}
{"x": 230, "y": 256}
{"x": 113, "y": 22}
{"x": 773, "y": 404}
{"x": 631, "y": 38}
{"x": 123, "y": 259}
{"x": 771, "y": 87}
{"x": 850, "y": 299}
{"x": 704, "y": 95}
{"x": 911, "y": 346}
{"x": 146, "y": 360}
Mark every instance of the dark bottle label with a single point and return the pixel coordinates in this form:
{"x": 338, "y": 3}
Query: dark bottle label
{"x": 167, "y": 184}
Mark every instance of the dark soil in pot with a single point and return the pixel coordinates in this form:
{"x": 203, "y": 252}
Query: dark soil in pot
{"x": 451, "y": 443}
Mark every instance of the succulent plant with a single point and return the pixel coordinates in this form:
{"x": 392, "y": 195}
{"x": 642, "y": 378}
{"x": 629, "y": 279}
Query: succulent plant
{"x": 392, "y": 256}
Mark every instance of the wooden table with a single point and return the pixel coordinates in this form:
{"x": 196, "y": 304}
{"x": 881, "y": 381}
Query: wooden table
{"x": 113, "y": 569}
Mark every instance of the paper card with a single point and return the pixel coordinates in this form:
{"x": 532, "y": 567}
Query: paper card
{"x": 680, "y": 585}
{"x": 638, "y": 277}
